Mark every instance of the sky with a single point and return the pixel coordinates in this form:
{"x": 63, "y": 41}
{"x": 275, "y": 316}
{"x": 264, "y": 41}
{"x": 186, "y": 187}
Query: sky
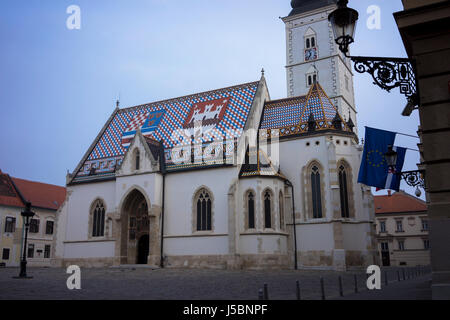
{"x": 58, "y": 86}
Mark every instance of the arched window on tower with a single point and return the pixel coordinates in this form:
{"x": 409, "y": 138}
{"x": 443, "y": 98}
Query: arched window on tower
{"x": 267, "y": 210}
{"x": 251, "y": 210}
{"x": 204, "y": 213}
{"x": 316, "y": 193}
{"x": 98, "y": 219}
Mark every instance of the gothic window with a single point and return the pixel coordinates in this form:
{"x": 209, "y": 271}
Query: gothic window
{"x": 98, "y": 219}
{"x": 310, "y": 39}
{"x": 267, "y": 210}
{"x": 281, "y": 210}
{"x": 251, "y": 210}
{"x": 343, "y": 188}
{"x": 316, "y": 193}
{"x": 204, "y": 212}
{"x": 137, "y": 159}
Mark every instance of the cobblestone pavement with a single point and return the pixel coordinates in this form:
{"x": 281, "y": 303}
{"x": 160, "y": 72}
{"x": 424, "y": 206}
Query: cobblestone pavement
{"x": 171, "y": 284}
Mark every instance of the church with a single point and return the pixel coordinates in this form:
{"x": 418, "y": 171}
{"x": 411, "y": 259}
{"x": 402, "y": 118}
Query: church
{"x": 229, "y": 178}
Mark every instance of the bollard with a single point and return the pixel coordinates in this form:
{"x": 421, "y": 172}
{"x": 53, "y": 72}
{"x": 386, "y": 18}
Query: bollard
{"x": 298, "y": 290}
{"x": 266, "y": 292}
{"x": 341, "y": 289}
{"x": 386, "y": 278}
{"x": 398, "y": 275}
{"x": 356, "y": 284}
{"x": 260, "y": 294}
{"x": 404, "y": 276}
{"x": 322, "y": 288}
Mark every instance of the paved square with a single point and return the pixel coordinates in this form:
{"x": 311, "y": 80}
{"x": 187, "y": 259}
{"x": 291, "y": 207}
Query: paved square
{"x": 173, "y": 284}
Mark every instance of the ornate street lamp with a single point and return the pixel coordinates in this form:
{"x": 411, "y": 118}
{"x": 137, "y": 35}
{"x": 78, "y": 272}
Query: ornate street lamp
{"x": 387, "y": 73}
{"x": 27, "y": 214}
{"x": 412, "y": 178}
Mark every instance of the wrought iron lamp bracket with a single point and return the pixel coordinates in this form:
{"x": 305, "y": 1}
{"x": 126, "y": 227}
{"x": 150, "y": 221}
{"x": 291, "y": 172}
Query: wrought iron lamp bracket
{"x": 414, "y": 178}
{"x": 390, "y": 73}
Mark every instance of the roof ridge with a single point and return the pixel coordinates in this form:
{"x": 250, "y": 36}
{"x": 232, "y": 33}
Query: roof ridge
{"x": 187, "y": 96}
{"x": 48, "y": 184}
{"x": 284, "y": 99}
{"x": 306, "y": 103}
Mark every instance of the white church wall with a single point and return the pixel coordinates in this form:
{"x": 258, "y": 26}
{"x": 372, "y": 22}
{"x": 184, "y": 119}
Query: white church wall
{"x": 80, "y": 203}
{"x": 308, "y": 239}
{"x": 97, "y": 249}
{"x": 195, "y": 246}
{"x": 179, "y": 207}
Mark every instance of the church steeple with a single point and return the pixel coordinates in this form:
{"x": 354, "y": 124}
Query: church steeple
{"x": 301, "y": 6}
{"x": 312, "y": 56}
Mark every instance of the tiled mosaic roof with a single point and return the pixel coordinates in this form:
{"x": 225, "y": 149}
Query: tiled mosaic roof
{"x": 218, "y": 113}
{"x": 291, "y": 115}
{"x": 259, "y": 166}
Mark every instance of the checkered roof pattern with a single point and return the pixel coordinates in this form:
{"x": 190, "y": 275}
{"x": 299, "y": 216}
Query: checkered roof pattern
{"x": 176, "y": 111}
{"x": 294, "y": 111}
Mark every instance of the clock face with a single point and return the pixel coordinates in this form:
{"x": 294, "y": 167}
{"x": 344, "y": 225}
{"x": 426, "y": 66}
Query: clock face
{"x": 310, "y": 54}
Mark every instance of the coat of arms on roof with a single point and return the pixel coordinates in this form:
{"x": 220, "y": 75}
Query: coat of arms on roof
{"x": 147, "y": 122}
{"x": 206, "y": 115}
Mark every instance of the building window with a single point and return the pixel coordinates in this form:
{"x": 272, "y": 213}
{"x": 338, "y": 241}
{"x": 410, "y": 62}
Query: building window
{"x": 281, "y": 210}
{"x": 401, "y": 245}
{"x": 267, "y": 210}
{"x": 384, "y": 246}
{"x": 251, "y": 210}
{"x": 426, "y": 244}
{"x": 137, "y": 159}
{"x": 47, "y": 251}
{"x": 34, "y": 226}
{"x": 31, "y": 250}
{"x": 49, "y": 227}
{"x": 311, "y": 79}
{"x": 343, "y": 187}
{"x": 204, "y": 214}
{"x": 10, "y": 225}
{"x": 399, "y": 225}
{"x": 310, "y": 42}
{"x": 5, "y": 254}
{"x": 382, "y": 226}
{"x": 316, "y": 193}
{"x": 98, "y": 219}
{"x": 424, "y": 225}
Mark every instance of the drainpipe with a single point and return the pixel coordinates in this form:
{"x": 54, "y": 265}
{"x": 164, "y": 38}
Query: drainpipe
{"x": 162, "y": 166}
{"x": 289, "y": 184}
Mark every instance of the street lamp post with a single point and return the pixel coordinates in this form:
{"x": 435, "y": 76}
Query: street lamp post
{"x": 27, "y": 214}
{"x": 387, "y": 73}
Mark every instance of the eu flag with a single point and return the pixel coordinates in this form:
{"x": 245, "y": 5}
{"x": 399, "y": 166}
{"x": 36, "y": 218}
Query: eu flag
{"x": 374, "y": 167}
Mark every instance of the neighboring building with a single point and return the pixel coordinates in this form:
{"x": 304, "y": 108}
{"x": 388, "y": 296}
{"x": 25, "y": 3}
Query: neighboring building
{"x": 402, "y": 230}
{"x": 163, "y": 183}
{"x": 45, "y": 200}
{"x": 424, "y": 27}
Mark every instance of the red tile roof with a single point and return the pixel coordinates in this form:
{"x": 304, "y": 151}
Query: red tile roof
{"x": 41, "y": 195}
{"x": 8, "y": 194}
{"x": 397, "y": 203}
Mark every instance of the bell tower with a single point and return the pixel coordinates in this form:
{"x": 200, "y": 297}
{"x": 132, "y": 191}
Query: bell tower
{"x": 312, "y": 55}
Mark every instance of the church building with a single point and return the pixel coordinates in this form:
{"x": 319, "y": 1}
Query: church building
{"x": 229, "y": 178}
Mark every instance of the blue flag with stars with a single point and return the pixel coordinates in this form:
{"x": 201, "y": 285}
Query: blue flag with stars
{"x": 374, "y": 169}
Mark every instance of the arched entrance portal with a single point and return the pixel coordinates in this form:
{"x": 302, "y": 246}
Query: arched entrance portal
{"x": 135, "y": 230}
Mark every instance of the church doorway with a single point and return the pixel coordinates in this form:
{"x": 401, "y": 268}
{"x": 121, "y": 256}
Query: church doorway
{"x": 135, "y": 230}
{"x": 143, "y": 249}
